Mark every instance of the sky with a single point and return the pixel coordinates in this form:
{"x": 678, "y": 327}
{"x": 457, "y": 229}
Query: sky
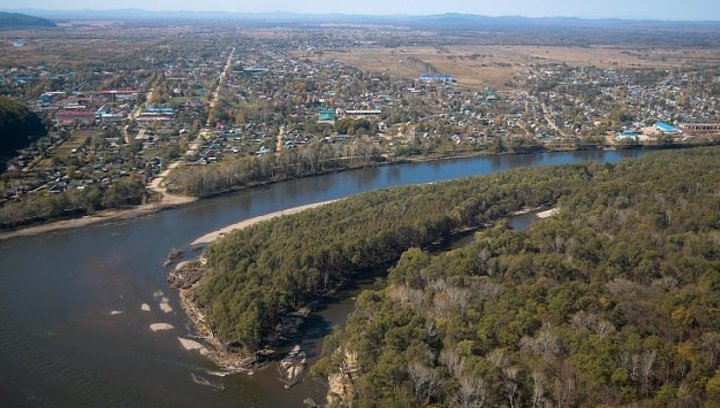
{"x": 633, "y": 9}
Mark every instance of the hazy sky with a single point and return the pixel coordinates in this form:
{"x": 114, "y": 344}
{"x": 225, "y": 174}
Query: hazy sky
{"x": 658, "y": 9}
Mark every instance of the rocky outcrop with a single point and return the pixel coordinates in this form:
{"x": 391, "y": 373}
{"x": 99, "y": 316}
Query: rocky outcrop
{"x": 186, "y": 277}
{"x": 341, "y": 384}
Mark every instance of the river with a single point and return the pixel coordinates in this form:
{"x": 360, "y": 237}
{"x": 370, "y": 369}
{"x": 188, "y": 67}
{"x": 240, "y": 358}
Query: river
{"x": 61, "y": 346}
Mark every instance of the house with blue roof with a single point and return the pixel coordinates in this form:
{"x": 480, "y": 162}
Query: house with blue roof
{"x": 627, "y": 134}
{"x": 432, "y": 77}
{"x": 667, "y": 128}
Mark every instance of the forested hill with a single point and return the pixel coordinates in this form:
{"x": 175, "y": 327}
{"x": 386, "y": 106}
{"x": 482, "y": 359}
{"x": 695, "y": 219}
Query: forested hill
{"x": 19, "y": 127}
{"x": 259, "y": 274}
{"x": 613, "y": 302}
{"x": 17, "y": 20}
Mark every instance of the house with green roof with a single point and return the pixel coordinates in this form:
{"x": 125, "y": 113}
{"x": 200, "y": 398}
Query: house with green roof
{"x": 327, "y": 115}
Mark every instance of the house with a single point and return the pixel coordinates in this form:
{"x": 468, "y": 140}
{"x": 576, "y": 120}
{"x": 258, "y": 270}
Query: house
{"x": 327, "y": 116}
{"x": 434, "y": 78}
{"x": 667, "y": 128}
{"x": 627, "y": 134}
{"x": 69, "y": 117}
{"x": 362, "y": 113}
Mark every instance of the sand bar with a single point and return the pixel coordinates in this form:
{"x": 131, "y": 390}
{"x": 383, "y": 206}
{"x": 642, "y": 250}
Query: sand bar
{"x": 191, "y": 345}
{"x": 210, "y": 237}
{"x": 165, "y": 307}
{"x": 161, "y": 326}
{"x": 548, "y": 213}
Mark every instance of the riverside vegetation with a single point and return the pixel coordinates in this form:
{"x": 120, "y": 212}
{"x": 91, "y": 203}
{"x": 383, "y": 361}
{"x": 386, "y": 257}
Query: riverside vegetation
{"x": 254, "y": 170}
{"x": 19, "y": 126}
{"x": 612, "y": 301}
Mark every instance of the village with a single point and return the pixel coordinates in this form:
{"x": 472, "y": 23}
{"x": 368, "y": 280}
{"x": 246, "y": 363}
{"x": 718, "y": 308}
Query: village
{"x": 187, "y": 106}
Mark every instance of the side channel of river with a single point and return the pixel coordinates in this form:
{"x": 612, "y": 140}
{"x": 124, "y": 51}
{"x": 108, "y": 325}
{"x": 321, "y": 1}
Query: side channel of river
{"x": 72, "y": 330}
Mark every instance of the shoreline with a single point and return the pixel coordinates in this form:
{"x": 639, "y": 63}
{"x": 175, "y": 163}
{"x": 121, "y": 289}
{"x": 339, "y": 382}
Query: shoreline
{"x": 102, "y": 216}
{"x": 187, "y": 277}
{"x": 210, "y": 237}
{"x": 175, "y": 201}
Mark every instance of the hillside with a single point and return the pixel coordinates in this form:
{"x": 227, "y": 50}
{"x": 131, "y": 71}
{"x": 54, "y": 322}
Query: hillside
{"x": 613, "y": 302}
{"x": 17, "y": 20}
{"x": 18, "y": 128}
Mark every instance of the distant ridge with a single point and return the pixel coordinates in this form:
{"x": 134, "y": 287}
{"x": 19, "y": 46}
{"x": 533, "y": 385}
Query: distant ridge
{"x": 17, "y": 20}
{"x": 447, "y": 21}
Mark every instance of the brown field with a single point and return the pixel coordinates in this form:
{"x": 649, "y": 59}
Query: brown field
{"x": 492, "y": 66}
{"x": 92, "y": 44}
{"x": 76, "y": 140}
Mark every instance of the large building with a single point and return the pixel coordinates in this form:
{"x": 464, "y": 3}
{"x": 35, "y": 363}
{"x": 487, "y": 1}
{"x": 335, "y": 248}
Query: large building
{"x": 667, "y": 128}
{"x": 432, "y": 78}
{"x": 701, "y": 127}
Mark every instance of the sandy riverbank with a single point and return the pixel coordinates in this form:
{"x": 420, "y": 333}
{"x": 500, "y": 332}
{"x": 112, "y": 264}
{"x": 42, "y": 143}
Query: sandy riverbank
{"x": 212, "y": 236}
{"x": 169, "y": 201}
{"x": 548, "y": 213}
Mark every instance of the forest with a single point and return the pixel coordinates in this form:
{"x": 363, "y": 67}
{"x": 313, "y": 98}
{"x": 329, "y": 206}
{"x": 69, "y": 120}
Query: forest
{"x": 254, "y": 170}
{"x": 257, "y": 275}
{"x": 18, "y": 128}
{"x": 614, "y": 301}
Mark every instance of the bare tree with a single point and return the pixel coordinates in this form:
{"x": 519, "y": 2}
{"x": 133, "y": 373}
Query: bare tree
{"x": 425, "y": 381}
{"x": 565, "y": 388}
{"x": 473, "y": 392}
{"x": 710, "y": 345}
{"x": 512, "y": 390}
{"x": 454, "y": 363}
{"x": 539, "y": 388}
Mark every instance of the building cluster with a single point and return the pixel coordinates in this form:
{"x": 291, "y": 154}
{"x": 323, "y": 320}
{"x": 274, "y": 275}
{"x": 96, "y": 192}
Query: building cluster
{"x": 107, "y": 125}
{"x": 627, "y": 104}
{"x": 282, "y": 93}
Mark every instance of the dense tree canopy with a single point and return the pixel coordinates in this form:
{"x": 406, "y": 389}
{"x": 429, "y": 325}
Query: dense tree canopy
{"x": 259, "y": 274}
{"x": 254, "y": 170}
{"x": 18, "y": 128}
{"x": 613, "y": 301}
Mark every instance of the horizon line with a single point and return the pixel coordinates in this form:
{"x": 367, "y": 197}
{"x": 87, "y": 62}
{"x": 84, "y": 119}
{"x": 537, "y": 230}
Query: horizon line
{"x": 345, "y": 14}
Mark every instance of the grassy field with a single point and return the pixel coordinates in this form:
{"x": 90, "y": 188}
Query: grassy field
{"x": 492, "y": 66}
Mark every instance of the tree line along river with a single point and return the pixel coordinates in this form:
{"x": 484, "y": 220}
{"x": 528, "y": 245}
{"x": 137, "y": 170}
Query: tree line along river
{"x": 72, "y": 331}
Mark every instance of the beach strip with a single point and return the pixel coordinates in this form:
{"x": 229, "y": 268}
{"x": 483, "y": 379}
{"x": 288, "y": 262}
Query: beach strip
{"x": 212, "y": 236}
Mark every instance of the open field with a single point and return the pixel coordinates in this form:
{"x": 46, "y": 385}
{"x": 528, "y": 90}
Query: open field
{"x": 77, "y": 139}
{"x": 493, "y": 65}
{"x": 90, "y": 44}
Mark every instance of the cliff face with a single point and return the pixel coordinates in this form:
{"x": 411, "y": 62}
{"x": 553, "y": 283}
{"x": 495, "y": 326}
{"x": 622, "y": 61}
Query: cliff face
{"x": 341, "y": 384}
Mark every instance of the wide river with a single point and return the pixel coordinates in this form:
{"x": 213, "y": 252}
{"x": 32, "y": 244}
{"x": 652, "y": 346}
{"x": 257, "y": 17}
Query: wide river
{"x": 64, "y": 344}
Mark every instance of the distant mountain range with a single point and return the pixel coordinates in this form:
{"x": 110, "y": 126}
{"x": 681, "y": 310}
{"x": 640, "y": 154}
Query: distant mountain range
{"x": 448, "y": 21}
{"x": 17, "y": 20}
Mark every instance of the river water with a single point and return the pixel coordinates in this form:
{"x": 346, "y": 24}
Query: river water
{"x": 62, "y": 346}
